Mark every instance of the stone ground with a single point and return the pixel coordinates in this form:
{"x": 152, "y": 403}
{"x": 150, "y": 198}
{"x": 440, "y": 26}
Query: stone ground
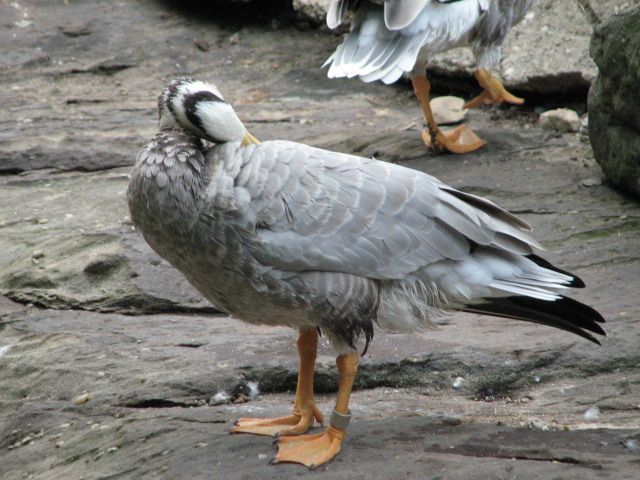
{"x": 89, "y": 312}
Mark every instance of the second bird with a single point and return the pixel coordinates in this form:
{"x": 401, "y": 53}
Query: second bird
{"x": 394, "y": 37}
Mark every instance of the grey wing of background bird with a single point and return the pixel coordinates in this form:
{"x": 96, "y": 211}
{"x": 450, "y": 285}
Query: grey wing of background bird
{"x": 498, "y": 20}
{"x": 397, "y": 13}
{"x": 338, "y": 10}
{"x": 327, "y": 211}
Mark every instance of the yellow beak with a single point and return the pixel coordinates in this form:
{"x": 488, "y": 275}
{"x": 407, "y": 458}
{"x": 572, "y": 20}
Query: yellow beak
{"x": 248, "y": 138}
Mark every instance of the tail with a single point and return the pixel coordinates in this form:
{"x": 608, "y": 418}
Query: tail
{"x": 529, "y": 289}
{"x": 563, "y": 313}
{"x": 373, "y": 52}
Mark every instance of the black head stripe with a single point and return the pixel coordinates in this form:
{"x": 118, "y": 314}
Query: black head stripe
{"x": 190, "y": 104}
{"x": 172, "y": 91}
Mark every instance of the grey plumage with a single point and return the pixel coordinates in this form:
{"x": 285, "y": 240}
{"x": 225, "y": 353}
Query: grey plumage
{"x": 393, "y": 37}
{"x": 284, "y": 233}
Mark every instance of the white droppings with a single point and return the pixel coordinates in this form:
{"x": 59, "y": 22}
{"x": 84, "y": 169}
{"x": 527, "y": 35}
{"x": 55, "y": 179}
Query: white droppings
{"x": 457, "y": 382}
{"x": 593, "y": 413}
{"x": 23, "y": 23}
{"x": 631, "y": 445}
{"x": 254, "y": 391}
{"x": 220, "y": 398}
{"x": 4, "y": 349}
{"x": 262, "y": 456}
{"x": 536, "y": 379}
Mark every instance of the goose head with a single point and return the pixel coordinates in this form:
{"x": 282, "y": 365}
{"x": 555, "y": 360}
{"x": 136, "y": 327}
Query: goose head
{"x": 200, "y": 108}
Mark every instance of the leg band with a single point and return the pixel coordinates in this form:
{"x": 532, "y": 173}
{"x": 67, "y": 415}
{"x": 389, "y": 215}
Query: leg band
{"x": 338, "y": 420}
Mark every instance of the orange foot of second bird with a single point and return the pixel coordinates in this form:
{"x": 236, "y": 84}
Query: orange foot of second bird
{"x": 457, "y": 140}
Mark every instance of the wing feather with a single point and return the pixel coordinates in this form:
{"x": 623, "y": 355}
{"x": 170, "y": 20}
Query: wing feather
{"x": 335, "y": 212}
{"x": 337, "y": 11}
{"x": 400, "y": 13}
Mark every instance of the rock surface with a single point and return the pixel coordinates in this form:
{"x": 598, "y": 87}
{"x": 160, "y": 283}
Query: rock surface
{"x": 614, "y": 106}
{"x": 96, "y": 318}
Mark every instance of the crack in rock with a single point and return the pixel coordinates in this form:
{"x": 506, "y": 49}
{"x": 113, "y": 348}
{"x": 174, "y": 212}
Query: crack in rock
{"x": 157, "y": 403}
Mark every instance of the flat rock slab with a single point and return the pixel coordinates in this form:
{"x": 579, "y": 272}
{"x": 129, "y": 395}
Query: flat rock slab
{"x": 69, "y": 243}
{"x": 89, "y": 309}
{"x": 149, "y": 380}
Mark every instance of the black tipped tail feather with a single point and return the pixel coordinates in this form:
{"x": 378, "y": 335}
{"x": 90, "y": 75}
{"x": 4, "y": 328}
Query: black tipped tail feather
{"x": 564, "y": 313}
{"x": 575, "y": 283}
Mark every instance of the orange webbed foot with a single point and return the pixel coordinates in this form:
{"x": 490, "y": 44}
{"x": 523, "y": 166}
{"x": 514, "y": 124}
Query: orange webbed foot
{"x": 488, "y": 97}
{"x": 296, "y": 424}
{"x": 457, "y": 140}
{"x": 494, "y": 91}
{"x": 310, "y": 450}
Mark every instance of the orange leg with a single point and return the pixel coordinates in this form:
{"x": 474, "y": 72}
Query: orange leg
{"x": 304, "y": 408}
{"x": 458, "y": 140}
{"x": 317, "y": 449}
{"x": 494, "y": 91}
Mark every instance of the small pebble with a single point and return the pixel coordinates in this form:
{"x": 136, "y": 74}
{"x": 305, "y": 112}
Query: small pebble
{"x": 593, "y": 413}
{"x": 202, "y": 45}
{"x": 448, "y": 109}
{"x": 457, "y": 382}
{"x": 220, "y": 398}
{"x": 560, "y": 120}
{"x": 539, "y": 424}
{"x": 262, "y": 456}
{"x": 591, "y": 182}
{"x": 82, "y": 399}
{"x": 4, "y": 349}
{"x": 37, "y": 254}
{"x": 631, "y": 445}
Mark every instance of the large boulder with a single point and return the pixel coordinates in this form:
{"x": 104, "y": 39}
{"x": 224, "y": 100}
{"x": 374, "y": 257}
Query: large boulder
{"x": 614, "y": 103}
